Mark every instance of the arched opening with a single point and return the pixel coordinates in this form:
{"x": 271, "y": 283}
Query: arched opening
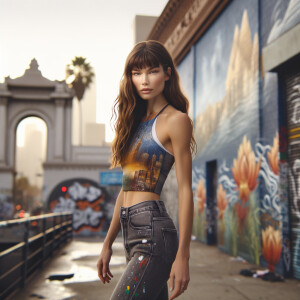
{"x": 31, "y": 145}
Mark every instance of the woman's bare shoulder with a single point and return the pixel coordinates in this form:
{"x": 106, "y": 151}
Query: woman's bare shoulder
{"x": 174, "y": 115}
{"x": 177, "y": 120}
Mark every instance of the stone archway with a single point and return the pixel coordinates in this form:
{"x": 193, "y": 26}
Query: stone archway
{"x": 34, "y": 95}
{"x": 13, "y": 128}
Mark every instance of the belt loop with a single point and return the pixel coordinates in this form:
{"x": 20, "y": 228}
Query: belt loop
{"x": 159, "y": 204}
{"x": 124, "y": 212}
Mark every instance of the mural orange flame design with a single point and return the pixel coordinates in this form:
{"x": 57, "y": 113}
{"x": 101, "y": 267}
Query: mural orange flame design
{"x": 241, "y": 211}
{"x": 83, "y": 204}
{"x": 271, "y": 246}
{"x": 222, "y": 201}
{"x": 201, "y": 196}
{"x": 245, "y": 170}
{"x": 273, "y": 155}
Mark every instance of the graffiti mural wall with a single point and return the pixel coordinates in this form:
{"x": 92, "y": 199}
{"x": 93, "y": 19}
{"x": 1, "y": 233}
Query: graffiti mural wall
{"x": 6, "y": 207}
{"x": 236, "y": 123}
{"x": 290, "y": 80}
{"x": 90, "y": 203}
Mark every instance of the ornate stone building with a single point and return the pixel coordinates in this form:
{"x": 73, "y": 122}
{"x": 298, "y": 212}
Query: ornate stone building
{"x": 34, "y": 95}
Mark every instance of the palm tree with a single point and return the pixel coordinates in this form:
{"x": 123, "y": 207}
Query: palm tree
{"x": 79, "y": 76}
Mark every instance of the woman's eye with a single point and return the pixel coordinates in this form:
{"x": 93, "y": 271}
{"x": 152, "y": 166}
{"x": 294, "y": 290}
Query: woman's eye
{"x": 154, "y": 71}
{"x": 135, "y": 73}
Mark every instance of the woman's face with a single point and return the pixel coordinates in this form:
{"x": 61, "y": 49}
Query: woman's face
{"x": 149, "y": 82}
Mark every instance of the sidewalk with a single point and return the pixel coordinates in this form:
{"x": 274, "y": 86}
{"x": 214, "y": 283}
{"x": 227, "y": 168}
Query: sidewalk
{"x": 214, "y": 275}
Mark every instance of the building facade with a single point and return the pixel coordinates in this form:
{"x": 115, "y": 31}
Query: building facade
{"x": 239, "y": 66}
{"x": 71, "y": 173}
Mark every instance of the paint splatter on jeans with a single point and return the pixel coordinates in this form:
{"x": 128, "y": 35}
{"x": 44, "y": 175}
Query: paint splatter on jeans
{"x": 151, "y": 243}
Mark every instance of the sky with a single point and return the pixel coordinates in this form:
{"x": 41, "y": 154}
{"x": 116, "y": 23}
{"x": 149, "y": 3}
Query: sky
{"x": 55, "y": 31}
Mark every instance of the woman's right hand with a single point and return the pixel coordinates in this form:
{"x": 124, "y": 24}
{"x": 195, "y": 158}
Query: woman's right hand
{"x": 103, "y": 265}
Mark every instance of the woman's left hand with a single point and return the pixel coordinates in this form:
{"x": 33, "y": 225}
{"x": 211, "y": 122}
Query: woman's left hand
{"x": 179, "y": 275}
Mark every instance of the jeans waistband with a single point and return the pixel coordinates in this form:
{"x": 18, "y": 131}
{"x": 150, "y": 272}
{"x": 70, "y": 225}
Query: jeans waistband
{"x": 142, "y": 206}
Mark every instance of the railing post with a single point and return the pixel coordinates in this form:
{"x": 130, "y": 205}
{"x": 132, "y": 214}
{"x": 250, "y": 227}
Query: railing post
{"x": 25, "y": 252}
{"x": 63, "y": 228}
{"x": 72, "y": 219}
{"x": 60, "y": 230}
{"x": 44, "y": 241}
{"x": 53, "y": 236}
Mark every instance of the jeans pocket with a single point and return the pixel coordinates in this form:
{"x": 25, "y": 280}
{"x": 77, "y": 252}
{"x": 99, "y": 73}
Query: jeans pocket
{"x": 141, "y": 220}
{"x": 171, "y": 243}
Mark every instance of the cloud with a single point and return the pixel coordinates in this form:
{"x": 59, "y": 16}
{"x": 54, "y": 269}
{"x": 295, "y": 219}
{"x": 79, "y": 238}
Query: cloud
{"x": 211, "y": 82}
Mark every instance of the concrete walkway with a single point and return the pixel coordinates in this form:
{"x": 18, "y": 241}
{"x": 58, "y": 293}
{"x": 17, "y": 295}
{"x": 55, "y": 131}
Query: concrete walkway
{"x": 214, "y": 275}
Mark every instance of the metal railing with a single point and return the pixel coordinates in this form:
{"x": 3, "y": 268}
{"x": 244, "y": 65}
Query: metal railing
{"x": 26, "y": 243}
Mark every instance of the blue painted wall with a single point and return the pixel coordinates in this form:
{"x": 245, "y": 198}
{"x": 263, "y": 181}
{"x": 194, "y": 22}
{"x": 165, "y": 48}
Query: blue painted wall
{"x": 237, "y": 123}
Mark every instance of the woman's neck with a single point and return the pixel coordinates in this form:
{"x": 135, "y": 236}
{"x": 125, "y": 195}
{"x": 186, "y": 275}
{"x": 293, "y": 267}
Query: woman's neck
{"x": 155, "y": 105}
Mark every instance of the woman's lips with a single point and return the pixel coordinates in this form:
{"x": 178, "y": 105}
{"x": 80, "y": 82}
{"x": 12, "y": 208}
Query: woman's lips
{"x": 146, "y": 91}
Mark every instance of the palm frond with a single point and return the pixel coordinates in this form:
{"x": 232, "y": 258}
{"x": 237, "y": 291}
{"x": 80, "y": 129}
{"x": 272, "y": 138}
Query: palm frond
{"x": 79, "y": 75}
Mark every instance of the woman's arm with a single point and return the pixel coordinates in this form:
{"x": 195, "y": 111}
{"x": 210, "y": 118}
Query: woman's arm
{"x": 103, "y": 262}
{"x": 115, "y": 225}
{"x": 180, "y": 131}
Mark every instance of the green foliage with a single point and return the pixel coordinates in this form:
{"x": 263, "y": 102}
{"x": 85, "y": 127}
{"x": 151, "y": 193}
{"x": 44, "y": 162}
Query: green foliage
{"x": 253, "y": 229}
{"x": 79, "y": 75}
{"x": 199, "y": 226}
{"x": 233, "y": 225}
{"x": 247, "y": 240}
{"x": 248, "y": 236}
{"x": 25, "y": 193}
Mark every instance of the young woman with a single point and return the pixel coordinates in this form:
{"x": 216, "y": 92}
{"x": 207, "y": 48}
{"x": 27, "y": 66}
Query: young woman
{"x": 153, "y": 130}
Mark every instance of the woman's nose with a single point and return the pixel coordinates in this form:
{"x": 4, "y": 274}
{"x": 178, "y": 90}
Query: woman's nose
{"x": 145, "y": 80}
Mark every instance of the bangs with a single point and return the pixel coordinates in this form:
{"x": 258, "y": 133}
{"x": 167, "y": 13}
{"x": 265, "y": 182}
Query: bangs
{"x": 143, "y": 59}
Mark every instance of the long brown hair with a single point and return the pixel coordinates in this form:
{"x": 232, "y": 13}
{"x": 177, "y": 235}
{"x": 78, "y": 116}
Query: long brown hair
{"x": 131, "y": 107}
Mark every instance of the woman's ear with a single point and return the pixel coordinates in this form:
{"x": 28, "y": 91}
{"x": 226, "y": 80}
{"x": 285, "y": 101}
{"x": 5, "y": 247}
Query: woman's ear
{"x": 168, "y": 73}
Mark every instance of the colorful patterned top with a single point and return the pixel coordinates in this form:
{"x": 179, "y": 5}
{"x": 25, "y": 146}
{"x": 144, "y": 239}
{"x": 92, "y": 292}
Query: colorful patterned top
{"x": 147, "y": 162}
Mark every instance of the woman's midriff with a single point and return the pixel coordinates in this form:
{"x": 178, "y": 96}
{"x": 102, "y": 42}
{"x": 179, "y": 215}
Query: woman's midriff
{"x": 134, "y": 197}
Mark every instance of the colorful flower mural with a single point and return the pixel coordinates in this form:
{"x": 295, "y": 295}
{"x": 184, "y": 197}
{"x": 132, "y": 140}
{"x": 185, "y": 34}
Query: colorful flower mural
{"x": 245, "y": 172}
{"x": 201, "y": 196}
{"x": 199, "y": 209}
{"x": 222, "y": 201}
{"x": 222, "y": 204}
{"x": 272, "y": 246}
{"x": 273, "y": 155}
{"x": 241, "y": 212}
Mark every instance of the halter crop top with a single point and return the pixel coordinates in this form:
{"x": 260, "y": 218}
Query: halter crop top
{"x": 147, "y": 163}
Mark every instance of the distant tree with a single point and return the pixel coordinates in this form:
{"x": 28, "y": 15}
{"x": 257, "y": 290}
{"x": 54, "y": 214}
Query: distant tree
{"x": 79, "y": 76}
{"x": 26, "y": 193}
{"x": 22, "y": 183}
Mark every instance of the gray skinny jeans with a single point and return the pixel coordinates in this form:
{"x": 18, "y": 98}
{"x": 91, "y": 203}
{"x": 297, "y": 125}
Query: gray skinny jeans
{"x": 150, "y": 243}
